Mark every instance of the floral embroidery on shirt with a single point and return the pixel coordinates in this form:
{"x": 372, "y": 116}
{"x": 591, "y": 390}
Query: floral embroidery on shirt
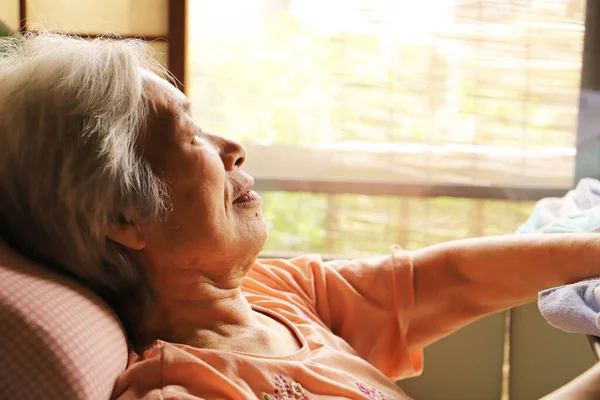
{"x": 287, "y": 390}
{"x": 371, "y": 393}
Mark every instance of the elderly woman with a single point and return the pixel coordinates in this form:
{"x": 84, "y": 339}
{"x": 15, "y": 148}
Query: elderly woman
{"x": 105, "y": 175}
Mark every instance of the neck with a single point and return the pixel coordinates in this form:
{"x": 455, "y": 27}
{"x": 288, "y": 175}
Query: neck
{"x": 186, "y": 304}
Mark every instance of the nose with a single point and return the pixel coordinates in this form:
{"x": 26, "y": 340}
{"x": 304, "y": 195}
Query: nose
{"x": 232, "y": 153}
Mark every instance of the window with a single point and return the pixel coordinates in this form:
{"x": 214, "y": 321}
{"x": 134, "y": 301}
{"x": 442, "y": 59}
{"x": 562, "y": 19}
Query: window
{"x": 145, "y": 19}
{"x": 374, "y": 122}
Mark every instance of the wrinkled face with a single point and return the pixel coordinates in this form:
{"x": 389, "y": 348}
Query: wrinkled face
{"x": 216, "y": 222}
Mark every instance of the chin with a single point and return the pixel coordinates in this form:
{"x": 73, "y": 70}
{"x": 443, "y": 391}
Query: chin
{"x": 263, "y": 234}
{"x": 255, "y": 232}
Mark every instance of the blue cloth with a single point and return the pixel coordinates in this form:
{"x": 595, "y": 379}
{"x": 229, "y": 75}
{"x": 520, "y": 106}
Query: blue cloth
{"x": 571, "y": 308}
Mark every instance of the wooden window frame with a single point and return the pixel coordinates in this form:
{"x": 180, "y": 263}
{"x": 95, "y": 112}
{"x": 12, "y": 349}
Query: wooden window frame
{"x": 176, "y": 36}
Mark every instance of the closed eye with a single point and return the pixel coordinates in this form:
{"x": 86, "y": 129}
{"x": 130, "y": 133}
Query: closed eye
{"x": 198, "y": 139}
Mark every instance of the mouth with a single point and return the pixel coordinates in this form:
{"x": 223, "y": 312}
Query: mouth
{"x": 247, "y": 195}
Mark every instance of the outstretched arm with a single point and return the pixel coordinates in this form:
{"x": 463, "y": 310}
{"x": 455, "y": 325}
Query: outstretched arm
{"x": 585, "y": 387}
{"x": 460, "y": 281}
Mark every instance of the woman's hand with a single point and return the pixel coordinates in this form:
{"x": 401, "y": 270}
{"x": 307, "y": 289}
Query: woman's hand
{"x": 458, "y": 282}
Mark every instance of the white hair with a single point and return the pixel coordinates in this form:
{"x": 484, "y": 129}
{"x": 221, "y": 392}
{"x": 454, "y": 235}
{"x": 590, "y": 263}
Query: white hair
{"x": 71, "y": 112}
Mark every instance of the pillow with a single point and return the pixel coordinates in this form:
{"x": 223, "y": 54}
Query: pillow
{"x": 58, "y": 340}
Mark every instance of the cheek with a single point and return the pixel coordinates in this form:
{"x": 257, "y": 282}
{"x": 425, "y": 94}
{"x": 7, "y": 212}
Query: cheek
{"x": 198, "y": 188}
{"x": 203, "y": 202}
{"x": 198, "y": 200}
{"x": 199, "y": 213}
{"x": 205, "y": 180}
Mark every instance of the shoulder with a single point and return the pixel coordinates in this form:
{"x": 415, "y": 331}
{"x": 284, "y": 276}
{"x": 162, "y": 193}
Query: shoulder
{"x": 283, "y": 271}
{"x": 290, "y": 279}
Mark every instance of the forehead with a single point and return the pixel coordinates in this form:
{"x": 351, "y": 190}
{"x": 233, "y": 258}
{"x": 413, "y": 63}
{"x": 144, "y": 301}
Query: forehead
{"x": 162, "y": 95}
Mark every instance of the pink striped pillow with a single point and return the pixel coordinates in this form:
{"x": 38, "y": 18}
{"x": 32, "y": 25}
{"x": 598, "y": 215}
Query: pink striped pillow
{"x": 58, "y": 340}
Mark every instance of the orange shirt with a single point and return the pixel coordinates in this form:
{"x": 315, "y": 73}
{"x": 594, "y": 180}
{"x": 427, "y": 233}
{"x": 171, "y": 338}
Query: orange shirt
{"x": 351, "y": 317}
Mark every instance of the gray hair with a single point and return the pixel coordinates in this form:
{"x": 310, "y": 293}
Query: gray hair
{"x": 71, "y": 112}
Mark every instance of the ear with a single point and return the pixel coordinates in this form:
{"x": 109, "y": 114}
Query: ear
{"x": 127, "y": 233}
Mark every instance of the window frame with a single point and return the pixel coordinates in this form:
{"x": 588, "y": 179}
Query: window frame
{"x": 175, "y": 38}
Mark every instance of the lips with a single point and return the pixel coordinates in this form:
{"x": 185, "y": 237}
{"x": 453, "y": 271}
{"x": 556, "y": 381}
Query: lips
{"x": 246, "y": 194}
{"x": 246, "y": 197}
